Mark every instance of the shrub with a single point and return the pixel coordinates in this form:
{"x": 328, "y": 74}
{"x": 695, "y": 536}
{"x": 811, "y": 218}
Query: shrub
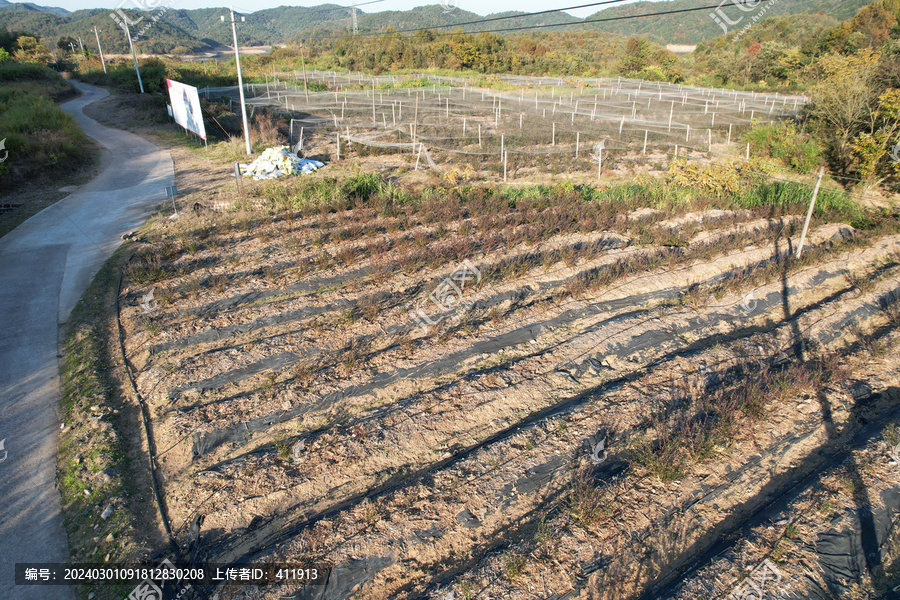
{"x": 39, "y": 135}
{"x": 783, "y": 142}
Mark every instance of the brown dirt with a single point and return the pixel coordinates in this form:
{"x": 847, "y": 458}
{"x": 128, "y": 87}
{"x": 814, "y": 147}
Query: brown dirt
{"x": 455, "y": 462}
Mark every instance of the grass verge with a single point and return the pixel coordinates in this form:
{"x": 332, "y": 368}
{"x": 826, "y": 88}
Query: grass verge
{"x": 109, "y": 515}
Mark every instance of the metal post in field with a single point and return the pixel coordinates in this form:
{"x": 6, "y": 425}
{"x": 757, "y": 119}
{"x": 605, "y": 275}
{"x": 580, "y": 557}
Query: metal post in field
{"x": 577, "y": 142}
{"x": 237, "y": 176}
{"x": 646, "y": 133}
{"x": 812, "y": 204}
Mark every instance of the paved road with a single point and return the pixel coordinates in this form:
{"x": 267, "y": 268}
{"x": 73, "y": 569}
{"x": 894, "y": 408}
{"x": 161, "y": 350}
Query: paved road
{"x": 45, "y": 265}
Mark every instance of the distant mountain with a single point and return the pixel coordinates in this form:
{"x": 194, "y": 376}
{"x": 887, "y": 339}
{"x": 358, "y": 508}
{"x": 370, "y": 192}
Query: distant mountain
{"x": 53, "y": 10}
{"x": 183, "y": 31}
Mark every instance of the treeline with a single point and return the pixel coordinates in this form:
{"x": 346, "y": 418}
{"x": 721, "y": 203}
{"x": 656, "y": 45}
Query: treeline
{"x": 850, "y": 71}
{"x": 574, "y": 53}
{"x": 780, "y": 50}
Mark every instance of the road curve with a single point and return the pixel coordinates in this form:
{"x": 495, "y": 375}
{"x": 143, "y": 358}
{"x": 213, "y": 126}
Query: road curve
{"x": 45, "y": 266}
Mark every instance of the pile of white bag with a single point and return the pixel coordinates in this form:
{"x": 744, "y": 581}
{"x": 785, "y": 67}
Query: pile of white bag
{"x": 278, "y": 162}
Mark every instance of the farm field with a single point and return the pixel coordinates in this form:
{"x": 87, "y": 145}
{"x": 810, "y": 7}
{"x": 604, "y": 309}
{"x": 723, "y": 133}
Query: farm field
{"x": 519, "y": 127}
{"x": 454, "y": 380}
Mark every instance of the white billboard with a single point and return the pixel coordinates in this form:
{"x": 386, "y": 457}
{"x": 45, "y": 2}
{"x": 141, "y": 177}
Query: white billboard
{"x": 186, "y": 107}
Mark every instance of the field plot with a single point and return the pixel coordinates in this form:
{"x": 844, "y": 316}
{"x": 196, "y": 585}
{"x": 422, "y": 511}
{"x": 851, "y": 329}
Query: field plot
{"x": 541, "y": 126}
{"x": 519, "y": 392}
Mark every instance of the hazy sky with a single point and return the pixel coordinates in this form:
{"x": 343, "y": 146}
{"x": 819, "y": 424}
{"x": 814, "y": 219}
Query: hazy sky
{"x": 247, "y": 6}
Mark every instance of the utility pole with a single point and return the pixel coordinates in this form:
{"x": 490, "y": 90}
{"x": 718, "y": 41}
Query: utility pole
{"x": 81, "y": 43}
{"x": 102, "y": 62}
{"x": 133, "y": 55}
{"x": 237, "y": 60}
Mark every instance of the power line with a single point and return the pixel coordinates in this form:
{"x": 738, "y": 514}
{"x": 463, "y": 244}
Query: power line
{"x": 526, "y": 27}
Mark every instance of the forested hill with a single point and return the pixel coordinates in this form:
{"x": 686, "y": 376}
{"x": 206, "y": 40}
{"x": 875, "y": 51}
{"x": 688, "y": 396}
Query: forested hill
{"x": 183, "y": 31}
{"x": 698, "y": 26}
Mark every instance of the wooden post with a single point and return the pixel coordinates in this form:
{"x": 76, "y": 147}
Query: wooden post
{"x": 812, "y": 204}
{"x": 417, "y": 158}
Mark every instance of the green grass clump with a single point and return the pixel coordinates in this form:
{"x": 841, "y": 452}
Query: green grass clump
{"x": 783, "y": 142}
{"x": 40, "y": 137}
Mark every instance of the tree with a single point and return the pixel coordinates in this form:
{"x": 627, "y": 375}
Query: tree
{"x": 844, "y": 102}
{"x": 31, "y": 50}
{"x": 66, "y": 43}
{"x": 872, "y": 149}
